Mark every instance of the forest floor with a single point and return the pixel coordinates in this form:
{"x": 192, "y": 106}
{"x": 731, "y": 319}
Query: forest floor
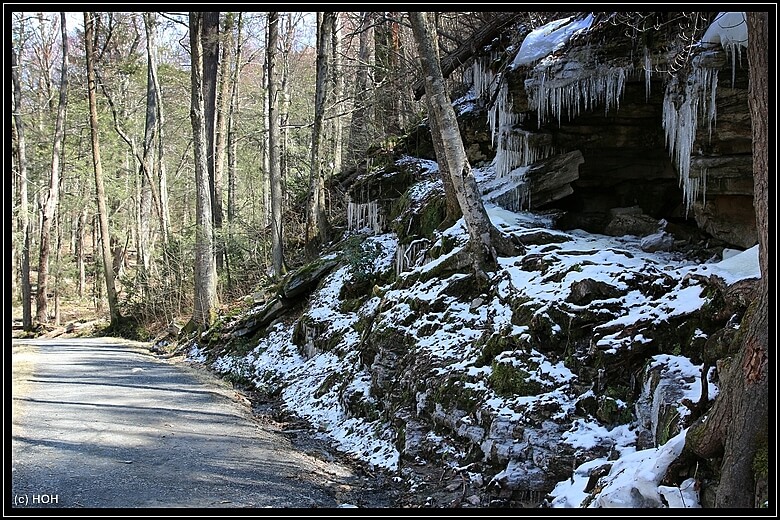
{"x": 101, "y": 423}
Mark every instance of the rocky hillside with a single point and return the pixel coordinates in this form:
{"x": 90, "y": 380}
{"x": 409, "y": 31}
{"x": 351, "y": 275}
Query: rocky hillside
{"x": 569, "y": 377}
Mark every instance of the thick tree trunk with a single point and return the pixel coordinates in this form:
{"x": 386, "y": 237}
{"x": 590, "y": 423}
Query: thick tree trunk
{"x": 482, "y": 235}
{"x": 275, "y": 174}
{"x": 737, "y": 426}
{"x": 205, "y": 305}
{"x": 51, "y": 199}
{"x": 24, "y": 210}
{"x": 450, "y": 197}
{"x": 210, "y": 45}
{"x": 100, "y": 195}
{"x": 317, "y": 227}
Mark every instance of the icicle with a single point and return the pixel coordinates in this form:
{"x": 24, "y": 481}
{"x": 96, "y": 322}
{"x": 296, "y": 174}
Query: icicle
{"x": 411, "y": 256}
{"x": 513, "y": 147}
{"x": 551, "y": 99}
{"x": 648, "y": 65}
{"x": 680, "y": 121}
{"x": 364, "y": 216}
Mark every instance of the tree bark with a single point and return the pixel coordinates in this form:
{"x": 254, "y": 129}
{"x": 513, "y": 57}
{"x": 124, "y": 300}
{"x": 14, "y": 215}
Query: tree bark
{"x": 205, "y": 304}
{"x": 232, "y": 145}
{"x": 210, "y": 45}
{"x": 275, "y": 174}
{"x": 159, "y": 152}
{"x": 737, "y": 426}
{"x": 51, "y": 199}
{"x": 24, "y": 209}
{"x": 220, "y": 138}
{"x": 100, "y": 195}
{"x": 317, "y": 227}
{"x": 482, "y": 233}
{"x": 337, "y": 76}
{"x": 81, "y": 233}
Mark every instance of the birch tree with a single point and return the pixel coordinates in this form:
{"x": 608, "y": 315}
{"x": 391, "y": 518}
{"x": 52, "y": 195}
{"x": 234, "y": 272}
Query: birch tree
{"x": 484, "y": 238}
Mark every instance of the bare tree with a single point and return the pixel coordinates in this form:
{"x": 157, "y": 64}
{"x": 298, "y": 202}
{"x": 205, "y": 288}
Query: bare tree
{"x": 51, "y": 199}
{"x": 484, "y": 237}
{"x": 100, "y": 195}
{"x": 153, "y": 86}
{"x": 210, "y": 40}
{"x": 231, "y": 133}
{"x": 205, "y": 306}
{"x": 317, "y": 227}
{"x": 275, "y": 174}
{"x": 24, "y": 210}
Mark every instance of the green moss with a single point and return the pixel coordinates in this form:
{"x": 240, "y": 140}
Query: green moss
{"x": 508, "y": 380}
{"x": 493, "y": 346}
{"x": 453, "y": 395}
{"x": 761, "y": 459}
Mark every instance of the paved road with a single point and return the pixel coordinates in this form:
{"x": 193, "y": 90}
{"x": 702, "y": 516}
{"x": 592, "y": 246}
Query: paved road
{"x": 101, "y": 423}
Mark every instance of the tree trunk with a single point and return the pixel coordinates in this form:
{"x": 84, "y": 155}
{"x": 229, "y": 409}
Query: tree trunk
{"x": 210, "y": 44}
{"x": 81, "y": 234}
{"x": 285, "y": 101}
{"x": 231, "y": 132}
{"x": 737, "y": 426}
{"x": 221, "y": 139}
{"x": 51, "y": 199}
{"x": 317, "y": 228}
{"x": 275, "y": 176}
{"x": 453, "y": 212}
{"x": 100, "y": 195}
{"x": 153, "y": 88}
{"x": 482, "y": 234}
{"x": 24, "y": 210}
{"x": 337, "y": 75}
{"x": 205, "y": 303}
{"x": 359, "y": 135}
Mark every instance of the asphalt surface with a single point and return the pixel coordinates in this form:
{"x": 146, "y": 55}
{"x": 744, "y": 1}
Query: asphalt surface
{"x": 101, "y": 423}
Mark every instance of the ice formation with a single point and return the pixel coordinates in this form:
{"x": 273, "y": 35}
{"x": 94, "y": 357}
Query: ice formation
{"x": 571, "y": 89}
{"x": 648, "y": 66}
{"x": 680, "y": 120}
{"x": 514, "y": 147}
{"x": 411, "y": 256}
{"x": 364, "y": 216}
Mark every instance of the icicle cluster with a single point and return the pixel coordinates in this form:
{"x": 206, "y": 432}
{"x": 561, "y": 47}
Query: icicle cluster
{"x": 513, "y": 146}
{"x": 552, "y": 96}
{"x": 681, "y": 119}
{"x": 410, "y": 256}
{"x": 365, "y": 216}
{"x": 648, "y": 66}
